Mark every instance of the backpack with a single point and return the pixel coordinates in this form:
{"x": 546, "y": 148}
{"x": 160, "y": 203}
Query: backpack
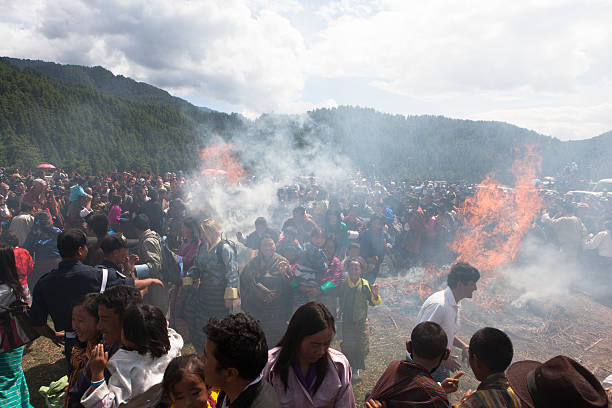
{"x": 172, "y": 265}
{"x": 219, "y": 250}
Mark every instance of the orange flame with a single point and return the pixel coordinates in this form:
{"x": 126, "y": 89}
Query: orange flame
{"x": 496, "y": 218}
{"x": 220, "y": 160}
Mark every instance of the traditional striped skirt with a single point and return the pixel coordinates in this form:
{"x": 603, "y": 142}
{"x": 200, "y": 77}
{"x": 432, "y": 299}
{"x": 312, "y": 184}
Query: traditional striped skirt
{"x": 203, "y": 303}
{"x": 356, "y": 342}
{"x": 13, "y": 386}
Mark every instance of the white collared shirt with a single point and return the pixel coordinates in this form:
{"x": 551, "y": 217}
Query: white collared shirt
{"x": 441, "y": 308}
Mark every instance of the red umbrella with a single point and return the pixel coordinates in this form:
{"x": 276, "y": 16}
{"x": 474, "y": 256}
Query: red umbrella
{"x": 46, "y": 166}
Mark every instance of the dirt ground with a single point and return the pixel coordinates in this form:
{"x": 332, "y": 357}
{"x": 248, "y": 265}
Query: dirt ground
{"x": 575, "y": 325}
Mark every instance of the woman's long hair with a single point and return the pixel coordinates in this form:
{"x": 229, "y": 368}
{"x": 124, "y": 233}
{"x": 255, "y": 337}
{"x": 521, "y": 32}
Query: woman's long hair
{"x": 8, "y": 272}
{"x": 307, "y": 320}
{"x": 211, "y": 232}
{"x": 146, "y": 327}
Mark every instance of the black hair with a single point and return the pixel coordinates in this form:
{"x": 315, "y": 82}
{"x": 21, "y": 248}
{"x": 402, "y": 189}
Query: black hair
{"x": 8, "y": 272}
{"x": 119, "y": 298}
{"x": 462, "y": 272}
{"x": 317, "y": 232}
{"x": 98, "y": 223}
{"x": 146, "y": 326}
{"x": 115, "y": 199}
{"x": 354, "y": 245}
{"x": 141, "y": 222}
{"x": 264, "y": 237}
{"x": 299, "y": 210}
{"x": 153, "y": 195}
{"x": 307, "y": 320}
{"x": 360, "y": 260}
{"x": 194, "y": 226}
{"x": 8, "y": 238}
{"x": 89, "y": 303}
{"x": 240, "y": 343}
{"x": 261, "y": 221}
{"x": 26, "y": 207}
{"x": 112, "y": 243}
{"x": 179, "y": 368}
{"x": 69, "y": 242}
{"x": 429, "y": 341}
{"x": 493, "y": 347}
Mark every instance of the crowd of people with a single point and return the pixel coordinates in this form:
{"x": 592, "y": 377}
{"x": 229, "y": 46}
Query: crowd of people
{"x": 94, "y": 253}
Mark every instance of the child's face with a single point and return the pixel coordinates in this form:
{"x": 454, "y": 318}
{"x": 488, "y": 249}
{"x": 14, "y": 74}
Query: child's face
{"x": 190, "y": 392}
{"x": 353, "y": 253}
{"x": 318, "y": 240}
{"x": 354, "y": 271}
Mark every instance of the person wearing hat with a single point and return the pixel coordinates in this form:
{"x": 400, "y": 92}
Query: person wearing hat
{"x": 41, "y": 242}
{"x": 78, "y": 198}
{"x": 558, "y": 382}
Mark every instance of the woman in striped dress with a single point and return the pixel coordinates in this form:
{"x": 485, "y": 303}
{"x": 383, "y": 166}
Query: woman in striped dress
{"x": 13, "y": 386}
{"x": 215, "y": 277}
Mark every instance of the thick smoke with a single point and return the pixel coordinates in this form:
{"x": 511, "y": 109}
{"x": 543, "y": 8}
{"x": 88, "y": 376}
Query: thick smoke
{"x": 275, "y": 152}
{"x": 541, "y": 271}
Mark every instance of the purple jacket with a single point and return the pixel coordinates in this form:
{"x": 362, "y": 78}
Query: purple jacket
{"x": 336, "y": 390}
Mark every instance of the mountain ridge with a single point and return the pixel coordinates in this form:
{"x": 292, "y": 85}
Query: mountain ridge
{"x": 140, "y": 114}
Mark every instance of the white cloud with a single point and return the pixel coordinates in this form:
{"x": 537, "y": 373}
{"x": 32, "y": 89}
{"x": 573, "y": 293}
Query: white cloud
{"x": 220, "y": 48}
{"x": 563, "y": 122}
{"x": 530, "y": 62}
{"x": 470, "y": 57}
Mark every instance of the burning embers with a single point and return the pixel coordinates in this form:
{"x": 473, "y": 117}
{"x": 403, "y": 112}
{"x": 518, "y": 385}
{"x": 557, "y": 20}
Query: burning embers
{"x": 219, "y": 161}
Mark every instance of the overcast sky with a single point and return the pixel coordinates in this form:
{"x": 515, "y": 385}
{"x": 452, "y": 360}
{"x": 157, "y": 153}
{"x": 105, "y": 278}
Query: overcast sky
{"x": 541, "y": 64}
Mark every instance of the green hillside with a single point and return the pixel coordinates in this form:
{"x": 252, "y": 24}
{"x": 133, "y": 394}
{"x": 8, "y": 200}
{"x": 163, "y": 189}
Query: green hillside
{"x": 89, "y": 119}
{"x": 105, "y": 81}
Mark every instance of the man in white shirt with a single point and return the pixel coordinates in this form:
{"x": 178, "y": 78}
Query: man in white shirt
{"x": 443, "y": 308}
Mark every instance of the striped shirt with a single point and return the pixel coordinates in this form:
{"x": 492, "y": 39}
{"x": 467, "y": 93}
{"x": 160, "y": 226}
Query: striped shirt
{"x": 494, "y": 392}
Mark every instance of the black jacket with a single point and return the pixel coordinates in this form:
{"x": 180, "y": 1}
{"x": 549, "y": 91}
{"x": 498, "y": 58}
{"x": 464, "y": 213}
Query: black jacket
{"x": 258, "y": 395}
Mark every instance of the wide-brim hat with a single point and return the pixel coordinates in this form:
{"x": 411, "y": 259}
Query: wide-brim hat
{"x": 559, "y": 382}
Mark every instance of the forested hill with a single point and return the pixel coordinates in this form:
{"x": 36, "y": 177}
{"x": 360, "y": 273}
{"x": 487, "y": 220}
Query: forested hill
{"x": 90, "y": 119}
{"x": 75, "y": 126}
{"x": 105, "y": 81}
